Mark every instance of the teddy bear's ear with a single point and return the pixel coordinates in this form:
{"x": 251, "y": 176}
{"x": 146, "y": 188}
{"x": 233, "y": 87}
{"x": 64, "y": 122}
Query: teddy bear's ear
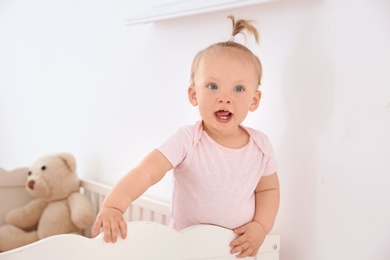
{"x": 69, "y": 160}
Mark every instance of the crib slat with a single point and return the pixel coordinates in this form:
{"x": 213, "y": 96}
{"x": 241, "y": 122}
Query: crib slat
{"x": 142, "y": 209}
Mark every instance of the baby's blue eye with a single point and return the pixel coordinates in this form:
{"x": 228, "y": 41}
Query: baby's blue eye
{"x": 212, "y": 86}
{"x": 238, "y": 89}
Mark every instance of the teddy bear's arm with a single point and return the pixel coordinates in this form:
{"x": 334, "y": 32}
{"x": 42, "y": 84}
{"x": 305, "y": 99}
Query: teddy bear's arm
{"x": 26, "y": 216}
{"x": 81, "y": 211}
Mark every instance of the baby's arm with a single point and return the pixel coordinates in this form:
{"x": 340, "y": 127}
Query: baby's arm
{"x": 150, "y": 171}
{"x": 252, "y": 234}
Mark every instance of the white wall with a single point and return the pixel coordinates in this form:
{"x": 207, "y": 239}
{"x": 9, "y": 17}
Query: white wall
{"x": 74, "y": 78}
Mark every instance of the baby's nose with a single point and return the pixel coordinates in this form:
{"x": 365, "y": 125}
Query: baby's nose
{"x": 224, "y": 99}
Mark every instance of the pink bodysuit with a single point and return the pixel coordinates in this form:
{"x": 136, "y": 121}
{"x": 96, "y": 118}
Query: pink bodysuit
{"x": 214, "y": 184}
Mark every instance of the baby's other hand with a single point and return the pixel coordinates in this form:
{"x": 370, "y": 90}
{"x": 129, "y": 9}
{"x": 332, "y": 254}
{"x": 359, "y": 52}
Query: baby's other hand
{"x": 112, "y": 222}
{"x": 251, "y": 236}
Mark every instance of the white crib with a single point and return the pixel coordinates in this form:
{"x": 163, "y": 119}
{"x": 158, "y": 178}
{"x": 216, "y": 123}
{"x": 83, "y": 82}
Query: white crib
{"x": 148, "y": 234}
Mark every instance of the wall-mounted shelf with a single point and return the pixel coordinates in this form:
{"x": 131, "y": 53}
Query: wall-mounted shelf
{"x": 169, "y": 9}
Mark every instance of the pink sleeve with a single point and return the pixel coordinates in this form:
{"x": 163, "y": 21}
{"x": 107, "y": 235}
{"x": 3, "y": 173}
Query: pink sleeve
{"x": 175, "y": 148}
{"x": 271, "y": 165}
{"x": 265, "y": 146}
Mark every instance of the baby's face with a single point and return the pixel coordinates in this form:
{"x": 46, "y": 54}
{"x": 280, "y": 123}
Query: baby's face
{"x": 225, "y": 88}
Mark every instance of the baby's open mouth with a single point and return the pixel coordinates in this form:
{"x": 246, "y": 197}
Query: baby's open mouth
{"x": 223, "y": 114}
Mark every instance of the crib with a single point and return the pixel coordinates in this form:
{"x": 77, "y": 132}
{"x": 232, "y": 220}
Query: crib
{"x": 149, "y": 237}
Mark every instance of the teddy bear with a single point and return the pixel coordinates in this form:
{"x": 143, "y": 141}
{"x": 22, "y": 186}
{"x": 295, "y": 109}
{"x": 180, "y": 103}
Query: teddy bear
{"x": 58, "y": 206}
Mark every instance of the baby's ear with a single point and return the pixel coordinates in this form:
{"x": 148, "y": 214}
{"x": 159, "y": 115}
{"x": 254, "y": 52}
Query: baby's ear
{"x": 256, "y": 101}
{"x": 192, "y": 96}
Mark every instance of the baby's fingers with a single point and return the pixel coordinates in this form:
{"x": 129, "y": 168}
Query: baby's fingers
{"x": 247, "y": 252}
{"x": 123, "y": 228}
{"x": 239, "y": 248}
{"x": 239, "y": 241}
{"x": 109, "y": 235}
{"x": 112, "y": 229}
{"x": 96, "y": 228}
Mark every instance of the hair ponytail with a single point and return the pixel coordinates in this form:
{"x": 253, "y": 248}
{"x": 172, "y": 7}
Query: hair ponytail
{"x": 240, "y": 25}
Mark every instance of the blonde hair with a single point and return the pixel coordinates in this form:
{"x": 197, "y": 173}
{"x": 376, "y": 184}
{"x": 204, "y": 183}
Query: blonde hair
{"x": 238, "y": 27}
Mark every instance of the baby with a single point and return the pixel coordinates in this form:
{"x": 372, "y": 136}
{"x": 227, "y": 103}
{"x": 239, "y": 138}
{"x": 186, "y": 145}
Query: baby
{"x": 224, "y": 173}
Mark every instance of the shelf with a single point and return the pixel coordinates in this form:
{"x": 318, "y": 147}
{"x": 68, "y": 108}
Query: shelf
{"x": 170, "y": 9}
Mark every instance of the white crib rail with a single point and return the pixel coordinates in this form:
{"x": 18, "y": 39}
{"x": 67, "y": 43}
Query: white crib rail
{"x": 144, "y": 208}
{"x": 145, "y": 241}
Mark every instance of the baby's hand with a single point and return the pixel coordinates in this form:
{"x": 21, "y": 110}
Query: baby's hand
{"x": 251, "y": 236}
{"x": 111, "y": 220}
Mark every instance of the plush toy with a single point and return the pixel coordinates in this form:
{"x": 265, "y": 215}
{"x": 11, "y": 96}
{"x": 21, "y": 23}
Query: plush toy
{"x": 58, "y": 207}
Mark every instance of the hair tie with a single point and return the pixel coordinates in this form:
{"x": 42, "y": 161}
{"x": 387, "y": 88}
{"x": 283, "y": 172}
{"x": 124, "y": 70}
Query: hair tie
{"x": 232, "y": 38}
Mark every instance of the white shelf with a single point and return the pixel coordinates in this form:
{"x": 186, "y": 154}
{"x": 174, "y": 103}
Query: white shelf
{"x": 169, "y": 9}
